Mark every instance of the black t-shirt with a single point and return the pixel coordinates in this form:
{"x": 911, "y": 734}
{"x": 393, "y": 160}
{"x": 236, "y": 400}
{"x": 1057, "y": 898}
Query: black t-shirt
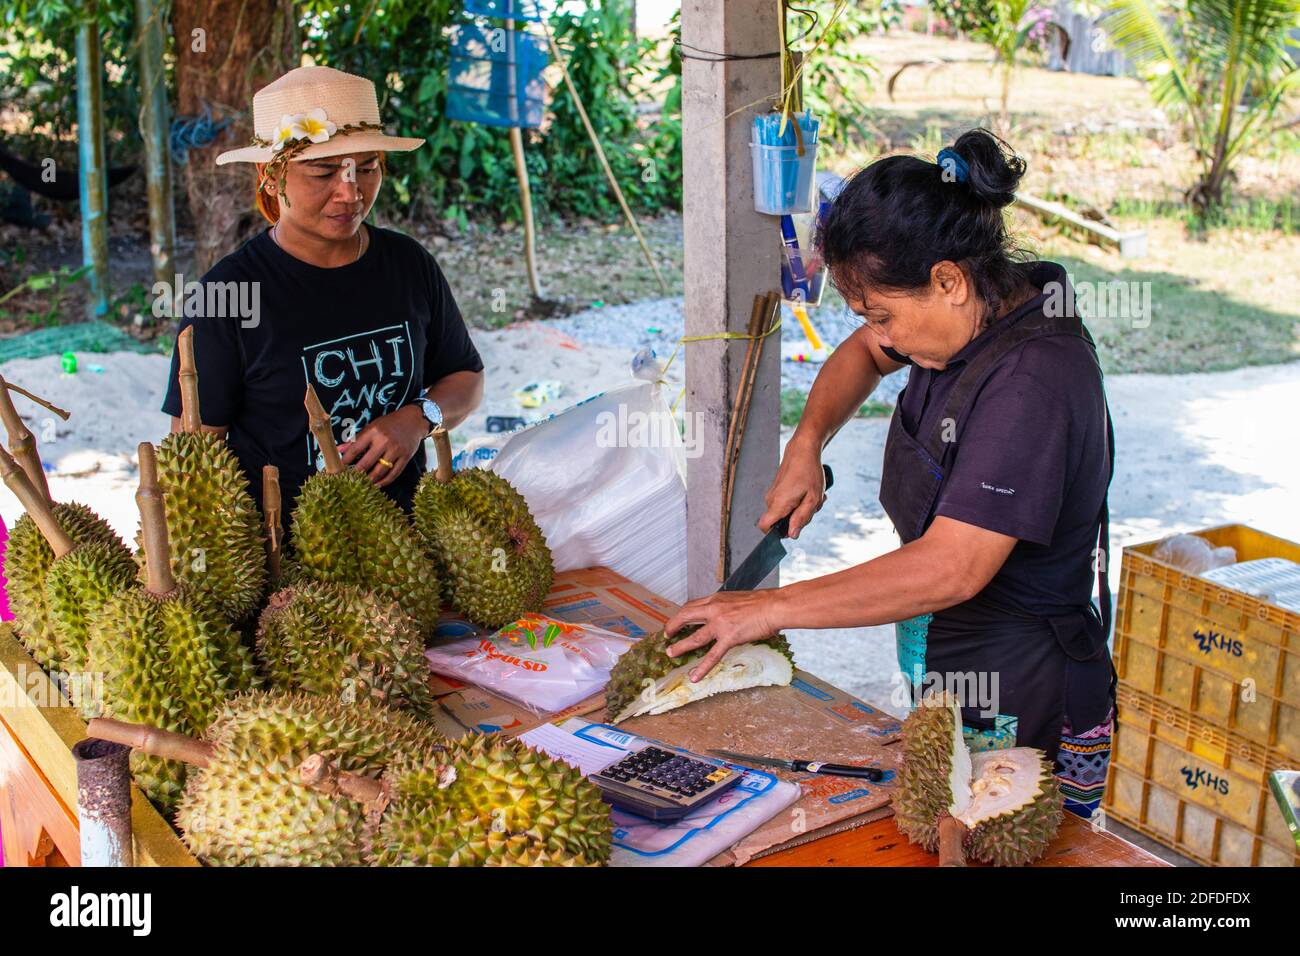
{"x": 370, "y": 337}
{"x": 1030, "y": 461}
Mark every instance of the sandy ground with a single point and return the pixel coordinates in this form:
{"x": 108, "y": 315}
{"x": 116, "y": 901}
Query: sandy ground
{"x": 1194, "y": 451}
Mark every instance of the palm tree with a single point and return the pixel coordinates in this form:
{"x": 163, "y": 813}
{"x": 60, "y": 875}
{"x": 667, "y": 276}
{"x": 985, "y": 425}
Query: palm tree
{"x": 1222, "y": 68}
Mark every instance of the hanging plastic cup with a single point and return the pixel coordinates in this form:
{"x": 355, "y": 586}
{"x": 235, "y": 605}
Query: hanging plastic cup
{"x": 783, "y": 180}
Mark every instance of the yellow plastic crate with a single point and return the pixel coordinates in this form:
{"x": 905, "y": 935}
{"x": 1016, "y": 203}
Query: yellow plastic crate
{"x": 1217, "y": 653}
{"x": 1203, "y": 793}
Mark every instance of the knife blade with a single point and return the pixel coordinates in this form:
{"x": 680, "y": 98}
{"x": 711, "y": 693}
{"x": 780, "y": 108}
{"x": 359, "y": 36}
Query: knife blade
{"x": 767, "y": 554}
{"x": 804, "y": 766}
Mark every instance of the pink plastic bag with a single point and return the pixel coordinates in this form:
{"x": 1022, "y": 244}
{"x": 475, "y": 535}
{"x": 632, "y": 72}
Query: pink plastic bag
{"x": 5, "y": 613}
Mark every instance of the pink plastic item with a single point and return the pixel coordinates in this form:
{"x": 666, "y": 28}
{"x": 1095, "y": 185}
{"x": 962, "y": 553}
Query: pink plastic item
{"x": 5, "y": 613}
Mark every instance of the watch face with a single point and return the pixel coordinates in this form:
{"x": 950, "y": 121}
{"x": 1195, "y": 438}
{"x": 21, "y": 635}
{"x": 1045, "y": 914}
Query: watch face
{"x": 431, "y": 412}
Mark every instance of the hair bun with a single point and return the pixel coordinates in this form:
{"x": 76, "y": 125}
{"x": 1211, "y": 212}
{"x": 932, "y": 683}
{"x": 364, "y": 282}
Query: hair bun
{"x": 993, "y": 170}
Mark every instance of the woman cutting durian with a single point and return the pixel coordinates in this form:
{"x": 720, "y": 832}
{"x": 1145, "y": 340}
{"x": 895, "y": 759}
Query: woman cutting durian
{"x": 995, "y": 470}
{"x": 362, "y": 314}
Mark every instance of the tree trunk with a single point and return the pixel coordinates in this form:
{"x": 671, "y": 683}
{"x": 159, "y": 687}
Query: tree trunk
{"x": 226, "y": 50}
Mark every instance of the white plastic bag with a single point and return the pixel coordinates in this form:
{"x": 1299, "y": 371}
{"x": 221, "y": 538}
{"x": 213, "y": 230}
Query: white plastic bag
{"x": 544, "y": 664}
{"x": 1193, "y": 554}
{"x": 606, "y": 482}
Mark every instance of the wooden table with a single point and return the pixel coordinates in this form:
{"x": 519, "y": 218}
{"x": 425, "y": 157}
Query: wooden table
{"x": 880, "y": 844}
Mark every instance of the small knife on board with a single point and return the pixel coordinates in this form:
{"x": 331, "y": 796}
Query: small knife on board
{"x": 767, "y": 554}
{"x": 804, "y": 766}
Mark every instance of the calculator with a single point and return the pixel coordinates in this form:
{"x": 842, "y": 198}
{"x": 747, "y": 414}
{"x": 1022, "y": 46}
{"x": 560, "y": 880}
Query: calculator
{"x": 663, "y": 785}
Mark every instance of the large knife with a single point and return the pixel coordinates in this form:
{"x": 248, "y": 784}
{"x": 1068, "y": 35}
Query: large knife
{"x": 767, "y": 554}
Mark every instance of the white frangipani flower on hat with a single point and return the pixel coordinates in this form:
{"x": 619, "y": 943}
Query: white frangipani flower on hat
{"x": 312, "y": 125}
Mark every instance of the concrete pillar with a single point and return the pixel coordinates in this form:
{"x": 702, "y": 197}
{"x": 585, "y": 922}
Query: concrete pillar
{"x": 732, "y": 254}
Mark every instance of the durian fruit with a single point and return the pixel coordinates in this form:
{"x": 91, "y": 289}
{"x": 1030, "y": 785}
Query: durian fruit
{"x": 491, "y": 555}
{"x": 297, "y": 779}
{"x": 489, "y": 801}
{"x": 77, "y": 581}
{"x": 347, "y": 531}
{"x": 645, "y": 680}
{"x": 54, "y": 636}
{"x": 997, "y": 806}
{"x": 212, "y": 523}
{"x": 343, "y": 642}
{"x": 164, "y": 657}
{"x": 250, "y": 807}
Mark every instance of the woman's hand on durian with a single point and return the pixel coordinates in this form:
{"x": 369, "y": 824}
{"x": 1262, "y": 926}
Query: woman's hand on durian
{"x": 395, "y": 438}
{"x": 728, "y": 618}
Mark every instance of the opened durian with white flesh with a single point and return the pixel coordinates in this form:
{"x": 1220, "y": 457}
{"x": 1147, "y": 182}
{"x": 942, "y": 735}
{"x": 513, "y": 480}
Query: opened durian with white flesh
{"x": 51, "y": 613}
{"x": 295, "y": 779}
{"x": 1007, "y": 802}
{"x": 645, "y": 680}
{"x": 345, "y": 530}
{"x": 72, "y": 588}
{"x": 212, "y": 522}
{"x": 491, "y": 555}
{"x": 165, "y": 657}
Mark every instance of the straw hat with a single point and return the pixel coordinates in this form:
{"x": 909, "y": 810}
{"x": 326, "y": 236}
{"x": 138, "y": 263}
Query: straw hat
{"x": 312, "y": 112}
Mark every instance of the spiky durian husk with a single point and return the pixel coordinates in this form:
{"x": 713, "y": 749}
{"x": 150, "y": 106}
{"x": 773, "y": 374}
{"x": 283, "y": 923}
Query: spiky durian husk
{"x": 489, "y": 800}
{"x": 492, "y": 556}
{"x": 248, "y": 807}
{"x": 924, "y": 789}
{"x": 28, "y": 558}
{"x": 647, "y": 661}
{"x": 1018, "y": 837}
{"x": 347, "y": 531}
{"x": 346, "y": 643}
{"x": 213, "y": 525}
{"x": 76, "y": 589}
{"x": 168, "y": 661}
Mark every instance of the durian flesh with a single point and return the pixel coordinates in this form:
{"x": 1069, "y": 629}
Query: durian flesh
{"x": 645, "y": 680}
{"x": 1008, "y": 800}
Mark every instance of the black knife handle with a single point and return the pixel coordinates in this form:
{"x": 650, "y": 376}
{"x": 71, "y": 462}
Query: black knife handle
{"x": 782, "y": 527}
{"x": 839, "y": 770}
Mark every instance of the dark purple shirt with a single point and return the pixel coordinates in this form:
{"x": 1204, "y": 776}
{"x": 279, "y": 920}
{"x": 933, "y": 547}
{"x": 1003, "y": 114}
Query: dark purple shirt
{"x": 1030, "y": 461}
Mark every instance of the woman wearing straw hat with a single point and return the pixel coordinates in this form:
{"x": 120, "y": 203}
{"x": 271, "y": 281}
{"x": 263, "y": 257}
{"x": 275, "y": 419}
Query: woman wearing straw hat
{"x": 362, "y": 314}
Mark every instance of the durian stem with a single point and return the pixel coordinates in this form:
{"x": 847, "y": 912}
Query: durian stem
{"x": 153, "y": 524}
{"x": 952, "y": 836}
{"x": 44, "y": 403}
{"x": 442, "y": 445}
{"x": 318, "y": 421}
{"x": 191, "y": 421}
{"x": 22, "y": 443}
{"x": 151, "y": 740}
{"x": 319, "y": 774}
{"x": 37, "y": 505}
{"x": 271, "y": 511}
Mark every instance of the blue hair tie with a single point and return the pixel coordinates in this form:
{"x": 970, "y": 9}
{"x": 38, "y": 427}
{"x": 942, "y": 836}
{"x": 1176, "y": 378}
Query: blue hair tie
{"x": 949, "y": 161}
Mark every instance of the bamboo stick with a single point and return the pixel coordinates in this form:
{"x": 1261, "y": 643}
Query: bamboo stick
{"x": 151, "y": 740}
{"x": 37, "y": 505}
{"x": 735, "y": 430}
{"x": 191, "y": 420}
{"x": 22, "y": 443}
{"x": 526, "y": 203}
{"x": 153, "y": 524}
{"x": 442, "y": 446}
{"x": 271, "y": 513}
{"x": 600, "y": 154}
{"x": 44, "y": 403}
{"x": 318, "y": 421}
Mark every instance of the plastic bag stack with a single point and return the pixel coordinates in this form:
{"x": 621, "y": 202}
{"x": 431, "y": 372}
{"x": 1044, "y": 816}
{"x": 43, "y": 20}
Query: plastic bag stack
{"x": 605, "y": 480}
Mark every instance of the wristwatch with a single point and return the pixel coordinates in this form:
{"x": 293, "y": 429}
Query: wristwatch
{"x": 431, "y": 412}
